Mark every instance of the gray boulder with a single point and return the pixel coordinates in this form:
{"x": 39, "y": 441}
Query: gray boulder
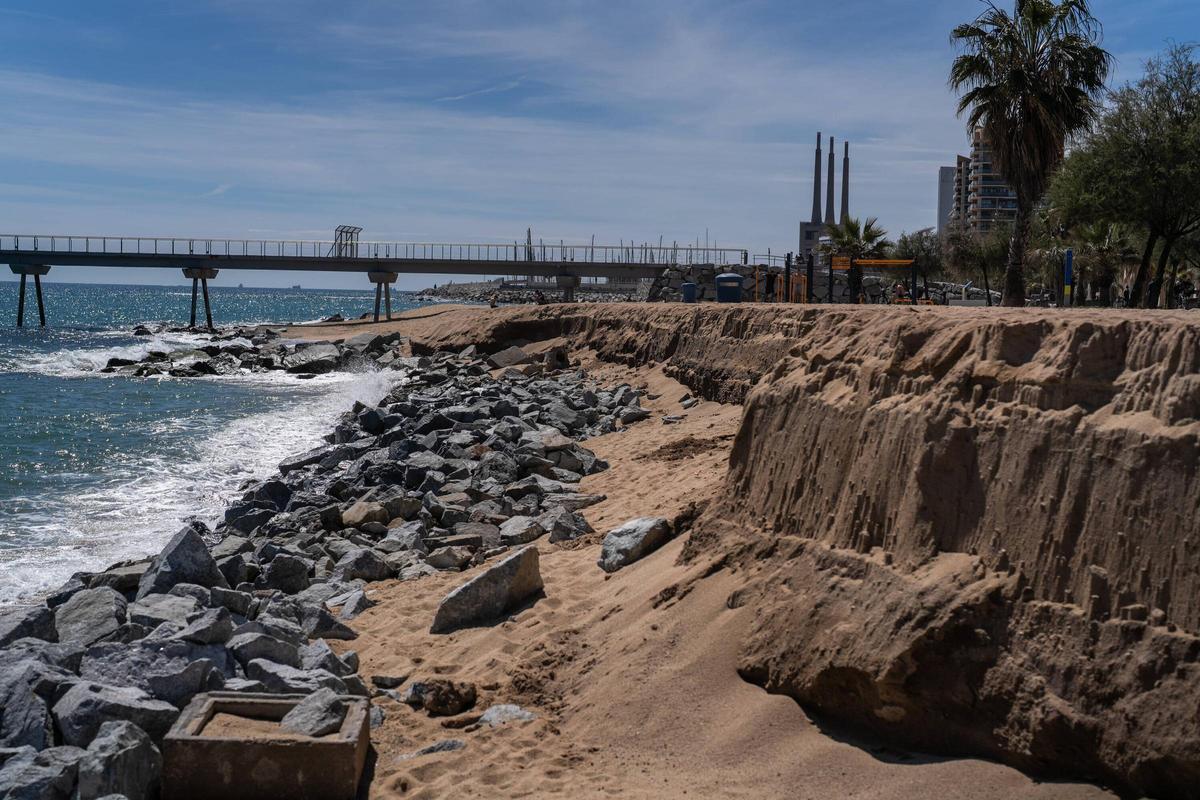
{"x": 87, "y": 706}
{"x": 213, "y": 626}
{"x": 505, "y": 713}
{"x": 313, "y": 359}
{"x": 156, "y": 609}
{"x": 90, "y": 615}
{"x": 500, "y": 588}
{"x": 520, "y": 530}
{"x": 247, "y": 647}
{"x": 24, "y": 717}
{"x": 49, "y": 775}
{"x": 170, "y": 670}
{"x": 121, "y": 760}
{"x": 633, "y": 540}
{"x": 362, "y": 564}
{"x": 508, "y": 357}
{"x": 354, "y": 605}
{"x": 185, "y": 559}
{"x": 319, "y": 714}
{"x": 319, "y": 655}
{"x": 449, "y": 558}
{"x": 35, "y": 621}
{"x": 564, "y": 524}
{"x": 282, "y": 679}
{"x": 287, "y": 573}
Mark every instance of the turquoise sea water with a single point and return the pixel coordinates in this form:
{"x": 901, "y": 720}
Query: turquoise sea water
{"x": 95, "y": 468}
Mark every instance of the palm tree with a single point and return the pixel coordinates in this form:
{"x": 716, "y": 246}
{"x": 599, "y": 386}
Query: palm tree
{"x": 1029, "y": 80}
{"x": 855, "y": 239}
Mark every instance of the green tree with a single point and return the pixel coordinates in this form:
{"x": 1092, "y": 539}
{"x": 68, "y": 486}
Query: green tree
{"x": 924, "y": 247}
{"x": 976, "y": 256}
{"x": 1029, "y": 80}
{"x": 1140, "y": 164}
{"x": 855, "y": 239}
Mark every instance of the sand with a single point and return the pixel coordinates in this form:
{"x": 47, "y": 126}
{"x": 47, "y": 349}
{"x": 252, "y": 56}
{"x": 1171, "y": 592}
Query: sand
{"x": 633, "y": 676}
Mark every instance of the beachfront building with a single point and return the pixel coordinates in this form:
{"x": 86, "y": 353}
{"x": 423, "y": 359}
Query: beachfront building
{"x": 981, "y": 197}
{"x": 812, "y": 230}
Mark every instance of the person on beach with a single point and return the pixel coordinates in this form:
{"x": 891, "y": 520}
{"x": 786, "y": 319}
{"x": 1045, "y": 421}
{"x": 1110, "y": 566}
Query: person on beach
{"x": 492, "y": 300}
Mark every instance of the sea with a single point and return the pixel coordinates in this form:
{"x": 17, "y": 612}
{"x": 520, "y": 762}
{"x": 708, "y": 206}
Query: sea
{"x": 97, "y": 468}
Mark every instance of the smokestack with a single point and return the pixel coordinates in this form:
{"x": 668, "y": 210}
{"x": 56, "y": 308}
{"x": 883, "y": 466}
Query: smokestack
{"x": 816, "y": 215}
{"x": 829, "y": 218}
{"x": 846, "y": 183}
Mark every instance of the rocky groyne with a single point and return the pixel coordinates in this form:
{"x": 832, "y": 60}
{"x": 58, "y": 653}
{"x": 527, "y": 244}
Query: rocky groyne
{"x": 466, "y": 459}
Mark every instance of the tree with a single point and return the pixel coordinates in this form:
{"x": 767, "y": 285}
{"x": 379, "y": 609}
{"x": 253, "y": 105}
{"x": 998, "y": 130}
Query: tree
{"x": 1029, "y": 81}
{"x": 977, "y": 254}
{"x": 855, "y": 239}
{"x": 924, "y": 247}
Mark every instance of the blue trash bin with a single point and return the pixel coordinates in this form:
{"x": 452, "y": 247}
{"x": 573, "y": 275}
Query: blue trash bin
{"x": 688, "y": 292}
{"x": 729, "y": 287}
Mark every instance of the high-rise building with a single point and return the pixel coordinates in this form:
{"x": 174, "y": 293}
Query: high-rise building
{"x": 980, "y": 198}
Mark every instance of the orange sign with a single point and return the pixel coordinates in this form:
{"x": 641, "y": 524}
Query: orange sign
{"x": 843, "y": 263}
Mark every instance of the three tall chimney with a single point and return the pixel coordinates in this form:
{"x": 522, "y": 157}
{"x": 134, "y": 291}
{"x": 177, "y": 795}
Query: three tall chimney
{"x": 816, "y": 214}
{"x": 846, "y": 184}
{"x": 829, "y": 218}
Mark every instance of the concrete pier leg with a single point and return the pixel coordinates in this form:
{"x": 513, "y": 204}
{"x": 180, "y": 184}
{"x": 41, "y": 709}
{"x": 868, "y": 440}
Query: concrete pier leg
{"x": 568, "y": 284}
{"x": 195, "y": 292}
{"x": 37, "y": 285}
{"x": 201, "y": 275}
{"x": 383, "y": 290}
{"x": 37, "y": 271}
{"x": 207, "y": 305}
{"x": 21, "y": 304}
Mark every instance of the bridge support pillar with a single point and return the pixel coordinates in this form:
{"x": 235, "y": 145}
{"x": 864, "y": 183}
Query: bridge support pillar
{"x": 383, "y": 290}
{"x": 200, "y": 277}
{"x": 37, "y": 271}
{"x": 568, "y": 284}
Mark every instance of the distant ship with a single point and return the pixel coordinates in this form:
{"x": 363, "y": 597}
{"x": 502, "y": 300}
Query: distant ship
{"x": 241, "y": 286}
{"x": 297, "y": 286}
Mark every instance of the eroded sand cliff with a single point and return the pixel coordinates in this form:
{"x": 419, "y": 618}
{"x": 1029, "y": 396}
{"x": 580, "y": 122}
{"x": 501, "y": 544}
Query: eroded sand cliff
{"x": 970, "y": 532}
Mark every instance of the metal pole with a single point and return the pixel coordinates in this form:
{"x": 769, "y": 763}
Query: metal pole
{"x": 808, "y": 286}
{"x": 37, "y": 285}
{"x": 195, "y": 289}
{"x": 207, "y": 307}
{"x": 830, "y": 257}
{"x": 787, "y": 278}
{"x": 21, "y": 303}
{"x": 913, "y": 294}
{"x": 378, "y": 296}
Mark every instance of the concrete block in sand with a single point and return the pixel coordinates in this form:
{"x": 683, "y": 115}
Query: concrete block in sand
{"x": 498, "y": 589}
{"x": 632, "y": 541}
{"x": 508, "y": 357}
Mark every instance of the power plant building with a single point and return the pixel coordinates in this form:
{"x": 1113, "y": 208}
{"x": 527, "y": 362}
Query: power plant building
{"x": 812, "y": 230}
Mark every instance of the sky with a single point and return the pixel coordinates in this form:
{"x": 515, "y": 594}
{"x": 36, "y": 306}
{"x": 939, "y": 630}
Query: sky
{"x": 471, "y": 120}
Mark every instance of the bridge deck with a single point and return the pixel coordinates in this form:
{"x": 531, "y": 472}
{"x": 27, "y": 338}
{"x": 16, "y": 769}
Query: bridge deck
{"x": 641, "y": 261}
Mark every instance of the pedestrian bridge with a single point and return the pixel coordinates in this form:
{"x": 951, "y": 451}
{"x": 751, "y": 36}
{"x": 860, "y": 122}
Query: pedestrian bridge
{"x": 381, "y": 262}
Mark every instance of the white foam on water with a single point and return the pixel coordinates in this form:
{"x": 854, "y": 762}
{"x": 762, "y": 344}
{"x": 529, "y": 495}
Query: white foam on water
{"x": 68, "y": 363}
{"x": 141, "y": 504}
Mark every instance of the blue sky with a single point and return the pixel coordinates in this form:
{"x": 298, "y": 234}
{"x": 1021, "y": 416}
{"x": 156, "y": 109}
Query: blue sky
{"x": 469, "y": 121}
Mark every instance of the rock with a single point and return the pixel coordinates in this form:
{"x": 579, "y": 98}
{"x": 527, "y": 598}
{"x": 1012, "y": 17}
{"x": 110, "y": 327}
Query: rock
{"x": 503, "y": 714}
{"x": 121, "y": 760}
{"x": 87, "y": 706}
{"x": 508, "y": 357}
{"x": 572, "y": 501}
{"x": 444, "y": 746}
{"x": 447, "y": 558}
{"x": 362, "y": 564}
{"x": 520, "y": 530}
{"x": 90, "y": 615}
{"x": 247, "y": 647}
{"x": 632, "y": 541}
{"x": 563, "y": 524}
{"x": 632, "y": 415}
{"x": 35, "y": 621}
{"x": 440, "y": 697}
{"x": 123, "y": 578}
{"x": 319, "y": 714}
{"x": 365, "y": 511}
{"x": 24, "y": 717}
{"x": 167, "y": 669}
{"x": 313, "y": 359}
{"x": 500, "y": 588}
{"x": 156, "y": 609}
{"x": 377, "y": 717}
{"x": 200, "y": 594}
{"x": 48, "y": 775}
{"x": 354, "y": 605}
{"x": 214, "y": 626}
{"x": 282, "y": 679}
{"x": 287, "y": 573}
{"x": 319, "y": 655}
{"x": 318, "y": 623}
{"x": 185, "y": 559}
{"x": 236, "y": 602}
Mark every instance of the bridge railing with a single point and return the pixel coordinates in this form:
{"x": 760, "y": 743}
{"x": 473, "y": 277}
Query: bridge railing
{"x": 512, "y": 254}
